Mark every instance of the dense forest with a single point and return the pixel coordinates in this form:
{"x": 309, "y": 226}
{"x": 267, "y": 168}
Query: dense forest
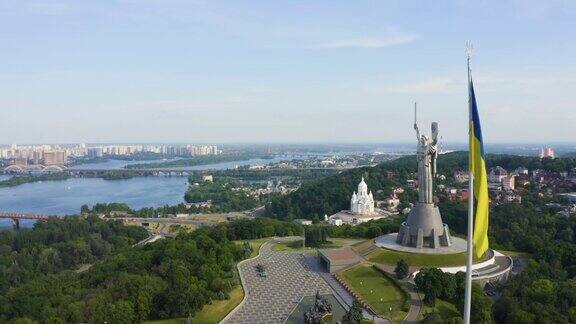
{"x": 225, "y": 196}
{"x": 546, "y": 291}
{"x": 167, "y": 278}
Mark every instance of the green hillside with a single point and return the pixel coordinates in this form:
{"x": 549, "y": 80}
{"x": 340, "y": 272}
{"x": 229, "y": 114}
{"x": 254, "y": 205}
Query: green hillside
{"x": 332, "y": 194}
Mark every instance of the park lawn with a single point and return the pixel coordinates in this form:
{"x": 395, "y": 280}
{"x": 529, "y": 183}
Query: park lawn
{"x": 386, "y": 256}
{"x": 289, "y": 246}
{"x": 344, "y": 241}
{"x": 167, "y": 321}
{"x": 444, "y": 308}
{"x": 379, "y": 291}
{"x": 391, "y": 257}
{"x": 297, "y": 245}
{"x": 215, "y": 312}
{"x": 255, "y": 244}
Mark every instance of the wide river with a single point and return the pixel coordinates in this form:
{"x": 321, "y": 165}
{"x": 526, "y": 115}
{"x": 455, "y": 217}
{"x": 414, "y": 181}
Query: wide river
{"x": 67, "y": 196}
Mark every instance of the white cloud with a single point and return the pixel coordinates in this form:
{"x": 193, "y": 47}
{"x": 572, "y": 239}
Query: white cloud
{"x": 369, "y": 42}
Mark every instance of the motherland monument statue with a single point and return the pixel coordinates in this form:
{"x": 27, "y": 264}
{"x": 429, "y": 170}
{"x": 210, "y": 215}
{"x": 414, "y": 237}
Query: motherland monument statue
{"x": 424, "y": 227}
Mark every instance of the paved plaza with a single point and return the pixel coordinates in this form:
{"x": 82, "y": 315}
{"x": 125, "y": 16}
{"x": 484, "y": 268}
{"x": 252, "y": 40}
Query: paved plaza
{"x": 271, "y": 299}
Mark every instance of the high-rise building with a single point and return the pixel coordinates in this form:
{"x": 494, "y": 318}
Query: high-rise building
{"x": 94, "y": 152}
{"x": 54, "y": 158}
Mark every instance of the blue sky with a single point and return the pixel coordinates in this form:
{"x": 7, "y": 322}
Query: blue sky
{"x": 276, "y": 71}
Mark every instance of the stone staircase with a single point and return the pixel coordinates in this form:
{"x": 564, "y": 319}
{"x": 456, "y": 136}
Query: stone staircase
{"x": 364, "y": 251}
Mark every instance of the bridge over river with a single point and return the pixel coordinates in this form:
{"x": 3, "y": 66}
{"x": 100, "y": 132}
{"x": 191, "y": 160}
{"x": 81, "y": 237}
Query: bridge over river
{"x": 167, "y": 172}
{"x": 39, "y": 169}
{"x": 175, "y": 172}
{"x": 16, "y": 217}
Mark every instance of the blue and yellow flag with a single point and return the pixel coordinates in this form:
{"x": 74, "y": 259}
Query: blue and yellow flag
{"x": 478, "y": 169}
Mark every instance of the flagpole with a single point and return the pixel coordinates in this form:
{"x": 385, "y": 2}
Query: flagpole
{"x": 468, "y": 282}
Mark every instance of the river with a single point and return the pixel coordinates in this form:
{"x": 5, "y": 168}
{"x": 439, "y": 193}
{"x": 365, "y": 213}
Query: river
{"x": 120, "y": 164}
{"x": 67, "y": 196}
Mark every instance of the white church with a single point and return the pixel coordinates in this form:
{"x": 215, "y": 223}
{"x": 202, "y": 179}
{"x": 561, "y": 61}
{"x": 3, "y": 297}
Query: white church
{"x": 363, "y": 202}
{"x": 361, "y": 208}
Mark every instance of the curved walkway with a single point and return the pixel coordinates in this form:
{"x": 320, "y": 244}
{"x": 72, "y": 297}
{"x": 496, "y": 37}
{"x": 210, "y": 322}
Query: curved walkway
{"x": 271, "y": 299}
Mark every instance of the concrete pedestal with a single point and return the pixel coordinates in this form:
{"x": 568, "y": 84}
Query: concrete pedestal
{"x": 424, "y": 228}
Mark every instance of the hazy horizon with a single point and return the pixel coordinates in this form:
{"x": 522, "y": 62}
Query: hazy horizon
{"x": 301, "y": 143}
{"x": 284, "y": 71}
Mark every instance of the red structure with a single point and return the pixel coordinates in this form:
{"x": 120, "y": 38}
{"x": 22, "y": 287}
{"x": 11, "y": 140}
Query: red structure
{"x": 16, "y": 217}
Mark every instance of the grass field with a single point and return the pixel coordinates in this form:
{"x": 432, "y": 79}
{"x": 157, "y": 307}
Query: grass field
{"x": 445, "y": 309}
{"x": 345, "y": 241}
{"x": 167, "y": 321}
{"x": 215, "y": 312}
{"x": 297, "y": 245}
{"x": 289, "y": 246}
{"x": 386, "y": 256}
{"x": 379, "y": 291}
{"x": 255, "y": 243}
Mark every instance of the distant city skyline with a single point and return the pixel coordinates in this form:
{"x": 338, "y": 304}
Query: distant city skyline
{"x": 200, "y": 71}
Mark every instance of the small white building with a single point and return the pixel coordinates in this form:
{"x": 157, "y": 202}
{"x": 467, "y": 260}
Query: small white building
{"x": 335, "y": 221}
{"x": 302, "y": 221}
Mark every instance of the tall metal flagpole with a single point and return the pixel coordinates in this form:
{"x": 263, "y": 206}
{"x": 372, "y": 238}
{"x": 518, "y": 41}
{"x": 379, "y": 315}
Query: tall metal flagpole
{"x": 468, "y": 285}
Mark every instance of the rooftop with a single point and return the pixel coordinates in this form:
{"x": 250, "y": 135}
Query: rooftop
{"x": 341, "y": 255}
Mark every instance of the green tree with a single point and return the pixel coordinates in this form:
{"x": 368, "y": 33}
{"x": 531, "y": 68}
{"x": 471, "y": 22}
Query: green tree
{"x": 22, "y": 320}
{"x": 520, "y": 317}
{"x": 432, "y": 318}
{"x": 401, "y": 269}
{"x": 542, "y": 291}
{"x": 430, "y": 282}
{"x": 481, "y": 306}
{"x": 354, "y": 314}
{"x": 316, "y": 235}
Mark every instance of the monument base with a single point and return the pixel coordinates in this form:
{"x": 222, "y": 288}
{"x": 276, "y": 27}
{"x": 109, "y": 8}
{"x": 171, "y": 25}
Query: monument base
{"x": 424, "y": 228}
{"x": 389, "y": 241}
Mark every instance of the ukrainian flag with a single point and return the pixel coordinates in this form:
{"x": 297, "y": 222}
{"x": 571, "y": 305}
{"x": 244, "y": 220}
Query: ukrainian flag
{"x": 477, "y": 166}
